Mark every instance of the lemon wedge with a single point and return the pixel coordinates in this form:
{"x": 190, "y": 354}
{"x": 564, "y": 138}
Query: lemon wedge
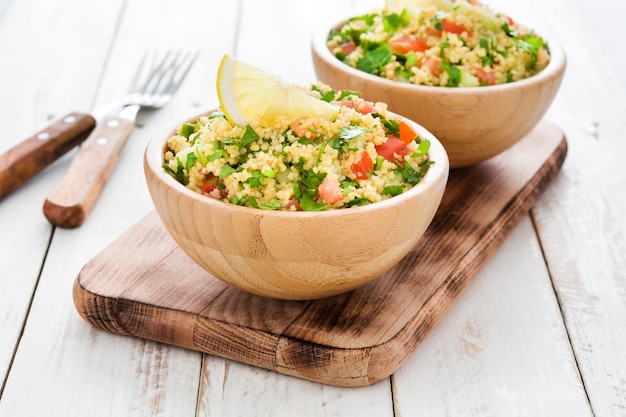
{"x": 247, "y": 93}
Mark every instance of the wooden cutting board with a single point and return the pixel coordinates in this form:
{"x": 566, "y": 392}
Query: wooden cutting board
{"x": 143, "y": 285}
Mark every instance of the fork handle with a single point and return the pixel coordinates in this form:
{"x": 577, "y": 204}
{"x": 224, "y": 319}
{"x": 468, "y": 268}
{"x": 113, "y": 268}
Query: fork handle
{"x": 28, "y": 158}
{"x": 70, "y": 203}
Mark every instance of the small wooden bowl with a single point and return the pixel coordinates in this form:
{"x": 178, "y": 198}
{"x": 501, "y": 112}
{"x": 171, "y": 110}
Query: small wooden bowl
{"x": 473, "y": 123}
{"x": 295, "y": 255}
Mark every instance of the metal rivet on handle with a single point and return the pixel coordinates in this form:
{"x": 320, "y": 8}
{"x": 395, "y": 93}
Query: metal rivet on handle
{"x": 69, "y": 119}
{"x": 43, "y": 136}
{"x": 113, "y": 123}
{"x": 102, "y": 141}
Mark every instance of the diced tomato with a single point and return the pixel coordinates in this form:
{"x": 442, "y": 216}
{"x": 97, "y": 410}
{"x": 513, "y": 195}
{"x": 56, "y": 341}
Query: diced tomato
{"x": 451, "y": 27}
{"x": 509, "y": 20}
{"x": 484, "y": 77}
{"x": 432, "y": 64}
{"x": 363, "y": 107}
{"x": 393, "y": 149}
{"x": 305, "y": 128}
{"x": 407, "y": 134}
{"x": 329, "y": 191}
{"x": 474, "y": 2}
{"x": 364, "y": 167}
{"x": 210, "y": 185}
{"x": 347, "y": 48}
{"x": 435, "y": 32}
{"x": 407, "y": 43}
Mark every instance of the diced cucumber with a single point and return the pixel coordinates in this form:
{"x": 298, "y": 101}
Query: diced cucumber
{"x": 462, "y": 7}
{"x": 357, "y": 142}
{"x": 490, "y": 22}
{"x": 468, "y": 80}
{"x": 396, "y": 179}
{"x": 445, "y": 5}
{"x": 283, "y": 177}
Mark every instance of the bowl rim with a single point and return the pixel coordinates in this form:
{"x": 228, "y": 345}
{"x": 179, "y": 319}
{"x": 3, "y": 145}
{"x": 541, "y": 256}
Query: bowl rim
{"x": 556, "y": 66}
{"x": 437, "y": 174}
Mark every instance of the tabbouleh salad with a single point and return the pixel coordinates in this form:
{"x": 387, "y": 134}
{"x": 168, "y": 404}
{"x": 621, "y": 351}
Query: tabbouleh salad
{"x": 451, "y": 43}
{"x": 363, "y": 156}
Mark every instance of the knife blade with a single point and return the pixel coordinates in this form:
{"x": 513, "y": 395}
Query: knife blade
{"x": 31, "y": 156}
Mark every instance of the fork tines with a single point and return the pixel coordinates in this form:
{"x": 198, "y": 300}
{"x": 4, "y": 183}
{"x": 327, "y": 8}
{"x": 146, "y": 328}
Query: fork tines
{"x": 159, "y": 75}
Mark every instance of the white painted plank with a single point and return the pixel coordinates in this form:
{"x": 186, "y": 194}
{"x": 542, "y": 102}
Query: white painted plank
{"x": 42, "y": 77}
{"x": 281, "y": 42}
{"x": 236, "y": 390}
{"x": 501, "y": 347}
{"x": 581, "y": 219}
{"x": 63, "y": 366}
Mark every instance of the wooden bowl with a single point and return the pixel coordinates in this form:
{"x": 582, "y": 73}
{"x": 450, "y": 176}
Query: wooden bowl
{"x": 473, "y": 123}
{"x": 295, "y": 255}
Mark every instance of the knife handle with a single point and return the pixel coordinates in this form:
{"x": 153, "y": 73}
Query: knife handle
{"x": 70, "y": 203}
{"x": 24, "y": 160}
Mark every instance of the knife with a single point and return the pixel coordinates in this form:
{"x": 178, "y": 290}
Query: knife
{"x": 28, "y": 158}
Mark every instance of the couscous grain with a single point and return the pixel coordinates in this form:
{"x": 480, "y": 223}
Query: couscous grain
{"x": 451, "y": 43}
{"x": 363, "y": 156}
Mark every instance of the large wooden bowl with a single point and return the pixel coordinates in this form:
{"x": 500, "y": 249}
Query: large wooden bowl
{"x": 473, "y": 123}
{"x": 295, "y": 255}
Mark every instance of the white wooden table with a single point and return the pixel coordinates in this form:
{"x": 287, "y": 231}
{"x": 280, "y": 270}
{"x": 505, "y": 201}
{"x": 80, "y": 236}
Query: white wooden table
{"x": 540, "y": 331}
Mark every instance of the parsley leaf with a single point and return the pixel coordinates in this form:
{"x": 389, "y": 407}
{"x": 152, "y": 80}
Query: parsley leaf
{"x": 326, "y": 96}
{"x": 361, "y": 201}
{"x": 345, "y": 135}
{"x": 331, "y": 95}
{"x": 391, "y": 22}
{"x": 350, "y": 132}
{"x": 454, "y": 74}
{"x": 217, "y": 154}
{"x": 348, "y": 183}
{"x": 255, "y": 181}
{"x": 511, "y": 33}
{"x": 422, "y": 148}
{"x": 308, "y": 203}
{"x": 411, "y": 60}
{"x": 230, "y": 142}
{"x": 393, "y": 190}
{"x": 403, "y": 73}
{"x": 191, "y": 160}
{"x": 343, "y": 94}
{"x": 410, "y": 175}
{"x": 248, "y": 137}
{"x": 375, "y": 59}
{"x": 530, "y": 44}
{"x": 392, "y": 128}
{"x": 226, "y": 171}
{"x": 273, "y": 204}
{"x": 179, "y": 175}
{"x": 379, "y": 162}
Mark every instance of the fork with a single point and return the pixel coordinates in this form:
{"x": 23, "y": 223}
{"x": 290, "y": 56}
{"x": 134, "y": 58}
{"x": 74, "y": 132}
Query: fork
{"x": 155, "y": 82}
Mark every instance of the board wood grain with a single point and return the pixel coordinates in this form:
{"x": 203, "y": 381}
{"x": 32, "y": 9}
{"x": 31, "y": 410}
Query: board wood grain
{"x": 353, "y": 339}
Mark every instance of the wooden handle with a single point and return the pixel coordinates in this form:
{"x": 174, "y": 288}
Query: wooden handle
{"x": 28, "y": 158}
{"x": 70, "y": 203}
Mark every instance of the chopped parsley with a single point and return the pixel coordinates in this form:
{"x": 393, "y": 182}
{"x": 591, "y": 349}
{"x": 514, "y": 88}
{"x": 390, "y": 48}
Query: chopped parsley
{"x": 374, "y": 47}
{"x": 341, "y": 143}
{"x": 213, "y": 160}
{"x": 375, "y": 60}
{"x": 225, "y": 171}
